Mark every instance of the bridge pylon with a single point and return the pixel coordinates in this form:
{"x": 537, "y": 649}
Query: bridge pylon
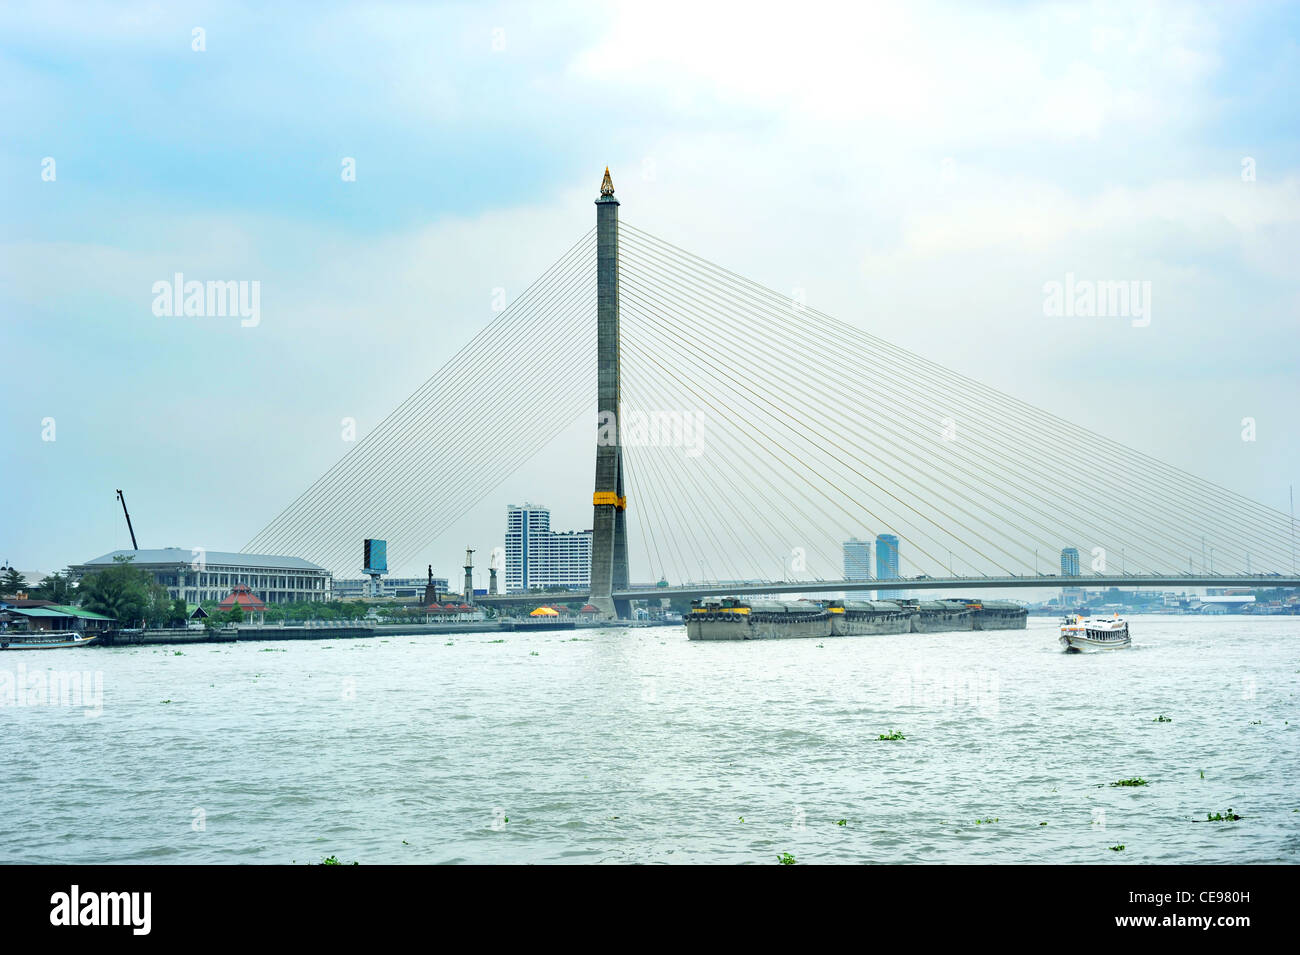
{"x": 609, "y": 571}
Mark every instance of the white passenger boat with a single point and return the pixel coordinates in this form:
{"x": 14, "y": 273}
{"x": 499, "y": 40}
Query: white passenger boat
{"x": 43, "y": 639}
{"x": 1080, "y": 633}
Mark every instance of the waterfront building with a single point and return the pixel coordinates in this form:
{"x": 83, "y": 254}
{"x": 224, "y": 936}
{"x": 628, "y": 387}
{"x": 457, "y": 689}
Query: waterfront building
{"x": 857, "y": 559}
{"x": 1070, "y": 562}
{"x": 51, "y": 616}
{"x": 537, "y": 556}
{"x": 195, "y": 575}
{"x": 887, "y": 564}
{"x": 402, "y": 587}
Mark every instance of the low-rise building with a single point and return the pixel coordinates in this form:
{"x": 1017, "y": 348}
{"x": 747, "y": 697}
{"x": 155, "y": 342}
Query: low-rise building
{"x": 57, "y": 617}
{"x": 195, "y": 575}
{"x": 401, "y": 587}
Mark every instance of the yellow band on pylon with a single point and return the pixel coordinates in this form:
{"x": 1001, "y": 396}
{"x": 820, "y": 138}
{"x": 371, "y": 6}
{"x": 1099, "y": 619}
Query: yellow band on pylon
{"x": 604, "y": 497}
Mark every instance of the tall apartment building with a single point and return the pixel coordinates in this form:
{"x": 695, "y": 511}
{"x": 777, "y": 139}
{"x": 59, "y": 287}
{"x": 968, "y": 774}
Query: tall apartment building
{"x": 887, "y": 563}
{"x": 537, "y": 556}
{"x": 857, "y": 559}
{"x": 1070, "y": 562}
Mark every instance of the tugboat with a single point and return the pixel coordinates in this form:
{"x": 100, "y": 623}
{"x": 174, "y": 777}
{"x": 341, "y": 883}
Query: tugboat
{"x": 1079, "y": 633}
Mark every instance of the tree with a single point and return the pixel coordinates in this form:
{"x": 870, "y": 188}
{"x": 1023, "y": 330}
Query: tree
{"x": 119, "y": 591}
{"x": 12, "y": 582}
{"x": 158, "y": 605}
{"x": 56, "y": 587}
{"x": 180, "y": 612}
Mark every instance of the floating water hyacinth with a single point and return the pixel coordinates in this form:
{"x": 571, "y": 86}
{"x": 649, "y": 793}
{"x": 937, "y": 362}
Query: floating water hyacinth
{"x": 894, "y": 735}
{"x": 1228, "y": 816}
{"x": 1135, "y": 781}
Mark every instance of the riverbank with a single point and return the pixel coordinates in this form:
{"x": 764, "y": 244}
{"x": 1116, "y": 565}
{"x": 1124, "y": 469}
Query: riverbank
{"x": 250, "y": 634}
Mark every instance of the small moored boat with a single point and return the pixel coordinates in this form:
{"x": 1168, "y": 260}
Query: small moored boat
{"x": 44, "y": 639}
{"x": 1080, "y": 633}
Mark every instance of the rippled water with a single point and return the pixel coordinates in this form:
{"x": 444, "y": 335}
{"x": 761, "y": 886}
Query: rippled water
{"x": 639, "y": 746}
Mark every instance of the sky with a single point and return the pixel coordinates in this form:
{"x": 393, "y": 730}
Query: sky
{"x": 919, "y": 170}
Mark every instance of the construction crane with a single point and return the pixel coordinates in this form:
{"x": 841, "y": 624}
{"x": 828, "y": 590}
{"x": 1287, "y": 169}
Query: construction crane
{"x": 121, "y": 497}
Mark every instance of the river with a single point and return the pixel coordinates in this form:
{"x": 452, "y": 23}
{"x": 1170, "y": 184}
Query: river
{"x": 640, "y": 746}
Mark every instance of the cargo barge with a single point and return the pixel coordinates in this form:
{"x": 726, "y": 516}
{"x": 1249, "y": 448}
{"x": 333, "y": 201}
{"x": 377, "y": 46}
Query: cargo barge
{"x": 941, "y": 616}
{"x": 852, "y": 618}
{"x": 999, "y": 615}
{"x": 730, "y": 618}
{"x": 733, "y": 618}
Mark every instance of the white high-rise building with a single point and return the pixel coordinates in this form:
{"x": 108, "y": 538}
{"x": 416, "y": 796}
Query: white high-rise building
{"x": 536, "y": 556}
{"x": 857, "y": 559}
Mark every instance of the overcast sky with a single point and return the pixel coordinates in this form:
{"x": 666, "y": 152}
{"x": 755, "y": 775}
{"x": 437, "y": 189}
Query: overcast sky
{"x": 920, "y": 170}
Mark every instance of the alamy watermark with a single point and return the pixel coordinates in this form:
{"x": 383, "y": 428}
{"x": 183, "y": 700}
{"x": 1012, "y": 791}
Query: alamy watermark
{"x": 210, "y": 299}
{"x": 1083, "y": 298}
{"x": 946, "y": 688}
{"x": 653, "y": 429}
{"x": 84, "y": 688}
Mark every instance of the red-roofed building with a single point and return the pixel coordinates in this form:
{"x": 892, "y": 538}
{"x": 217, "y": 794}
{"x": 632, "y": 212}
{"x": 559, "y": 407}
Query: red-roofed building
{"x": 452, "y": 613}
{"x": 247, "y": 601}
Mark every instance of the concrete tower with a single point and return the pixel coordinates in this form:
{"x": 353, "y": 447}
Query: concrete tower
{"x": 469, "y": 576}
{"x": 609, "y": 523}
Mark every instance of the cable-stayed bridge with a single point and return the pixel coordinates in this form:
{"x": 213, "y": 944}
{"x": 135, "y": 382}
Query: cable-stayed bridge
{"x": 742, "y": 437}
{"x": 957, "y": 584}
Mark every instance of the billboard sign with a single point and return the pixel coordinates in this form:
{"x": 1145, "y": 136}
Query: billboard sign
{"x": 376, "y": 557}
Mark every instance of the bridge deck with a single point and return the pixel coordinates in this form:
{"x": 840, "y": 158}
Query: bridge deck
{"x": 1097, "y": 581}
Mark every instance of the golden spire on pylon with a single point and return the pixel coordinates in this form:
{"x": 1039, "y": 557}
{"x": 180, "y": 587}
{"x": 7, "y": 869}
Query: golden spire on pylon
{"x": 607, "y": 184}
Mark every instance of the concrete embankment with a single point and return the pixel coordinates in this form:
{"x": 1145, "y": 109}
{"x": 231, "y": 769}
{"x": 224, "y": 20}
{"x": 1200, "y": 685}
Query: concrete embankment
{"x": 140, "y": 638}
{"x": 136, "y": 638}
